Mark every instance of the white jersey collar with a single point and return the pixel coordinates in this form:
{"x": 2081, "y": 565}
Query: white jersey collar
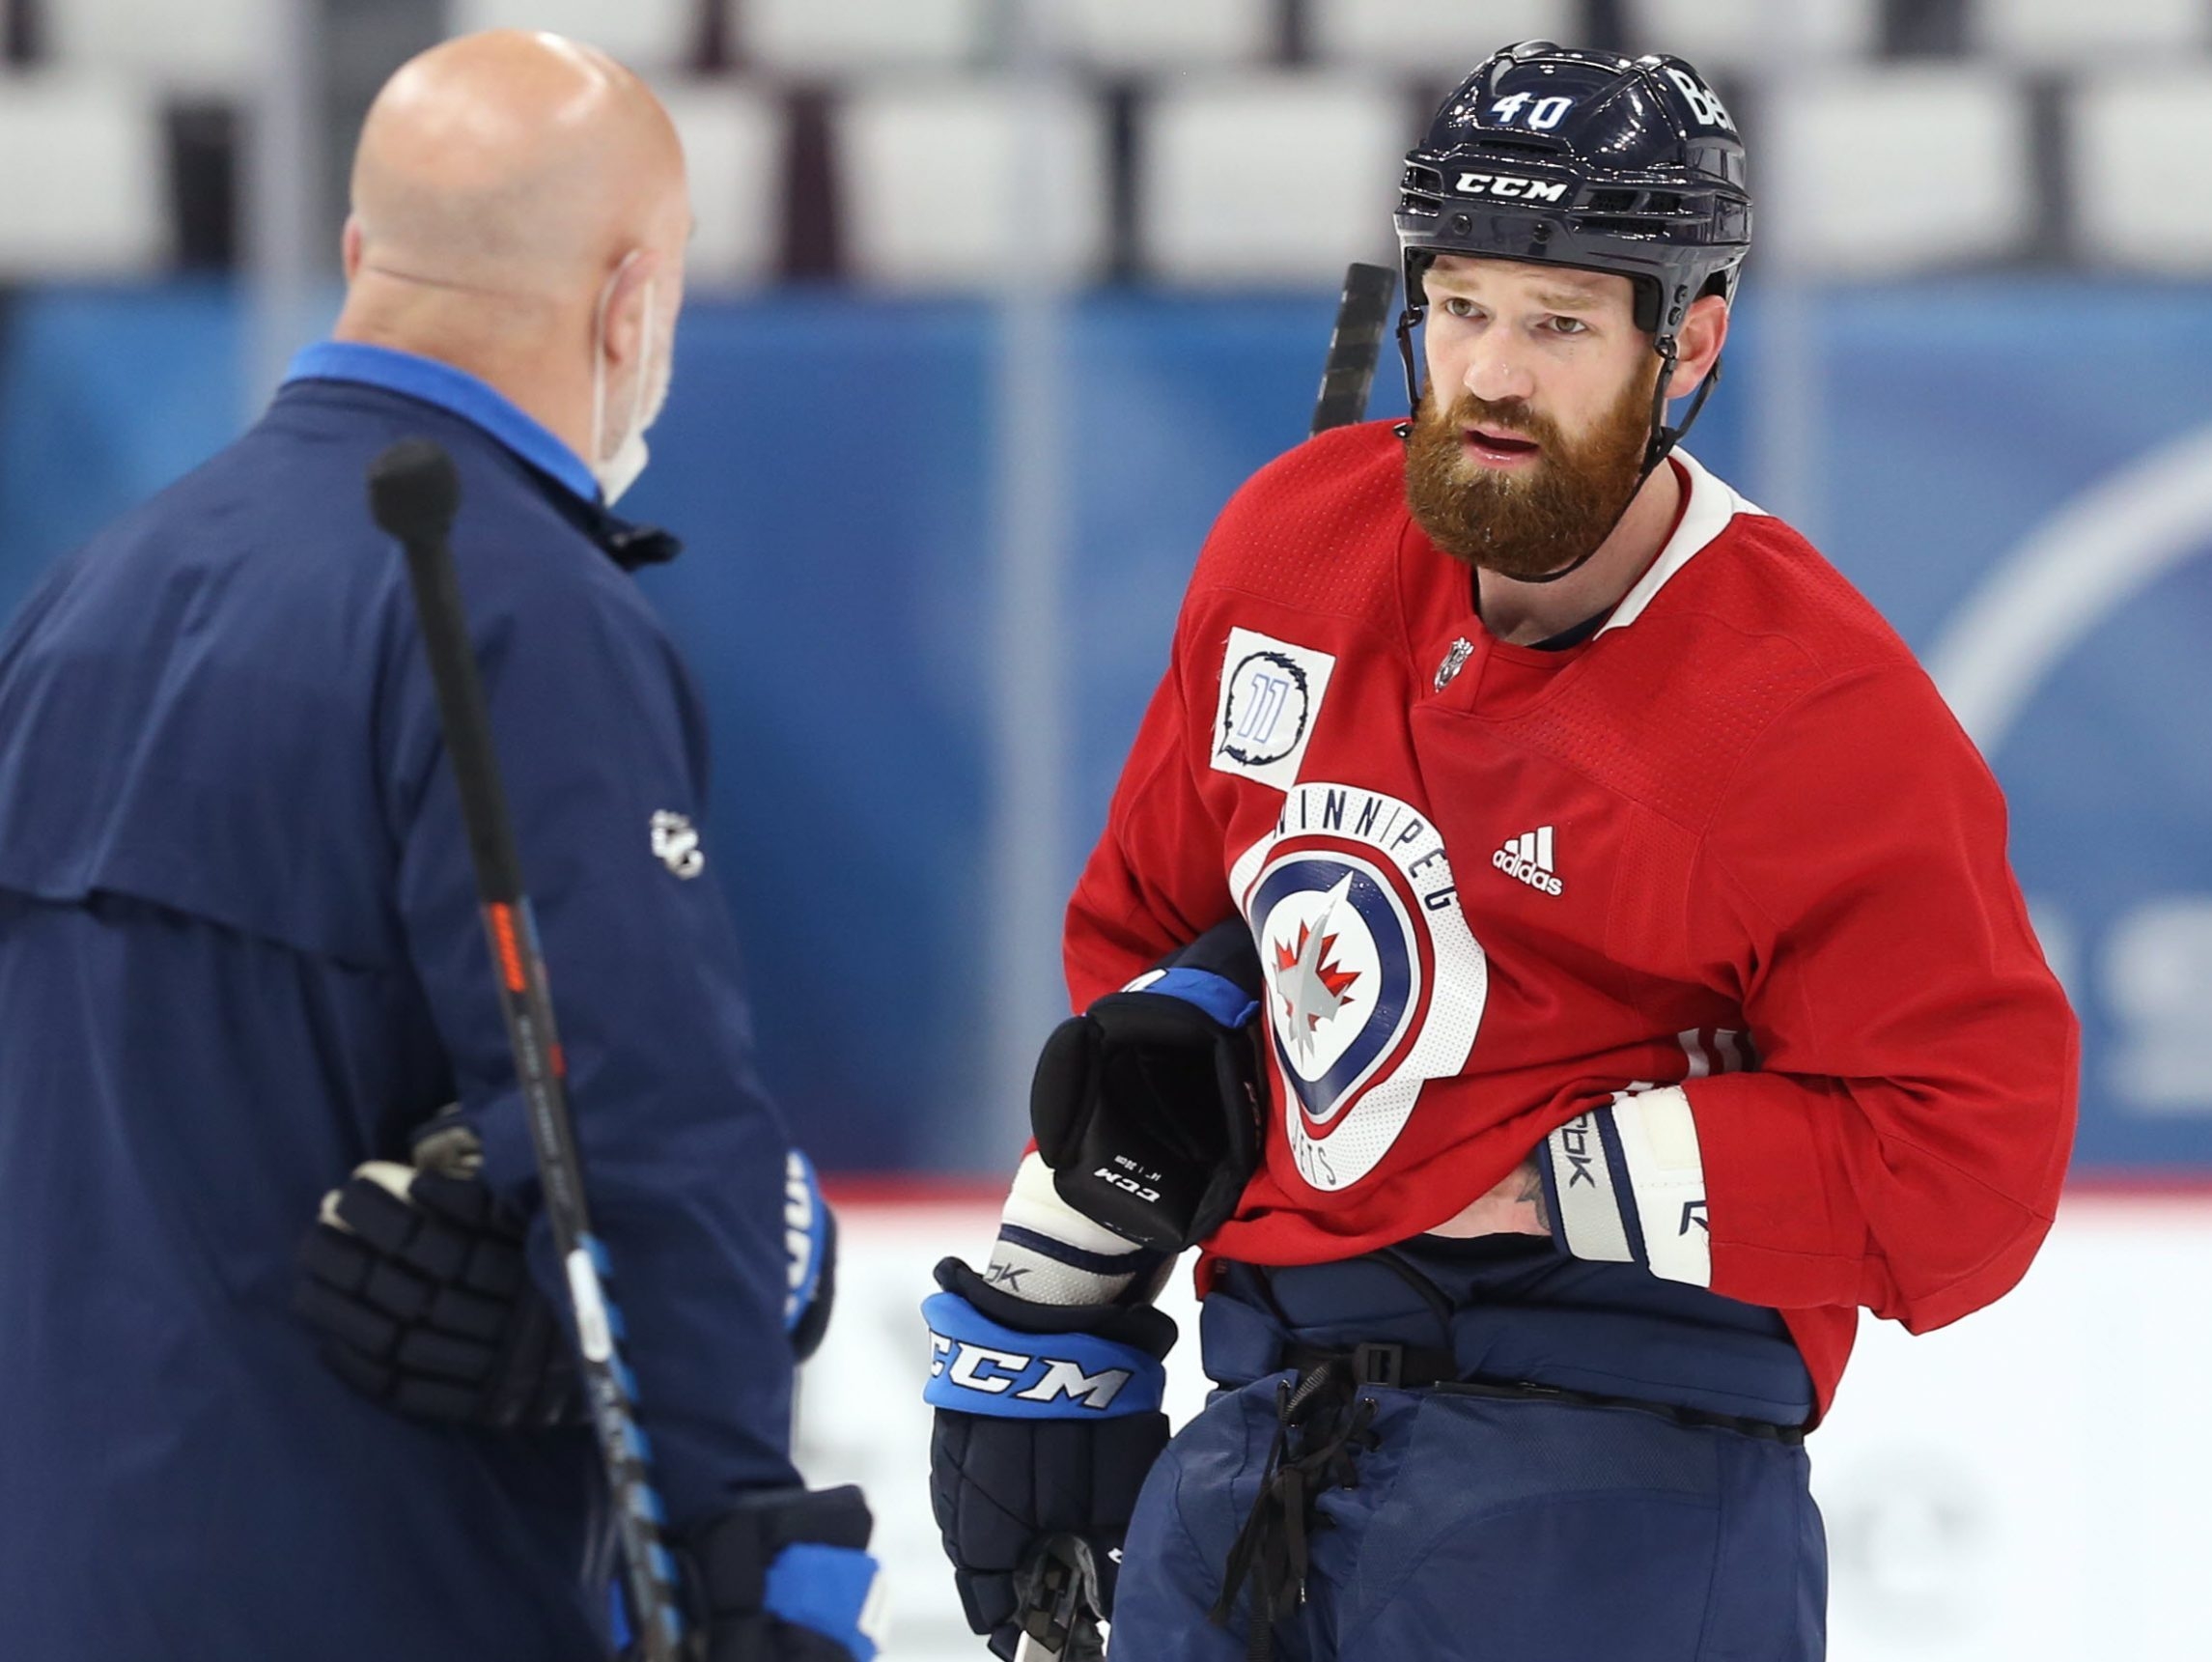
{"x": 1712, "y": 504}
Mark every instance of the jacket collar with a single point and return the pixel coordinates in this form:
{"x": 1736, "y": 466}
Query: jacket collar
{"x": 485, "y": 408}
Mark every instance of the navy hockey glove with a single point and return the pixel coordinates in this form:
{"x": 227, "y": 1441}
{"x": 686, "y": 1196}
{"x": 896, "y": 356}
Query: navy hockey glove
{"x": 810, "y": 1241}
{"x": 1047, "y": 1418}
{"x": 1148, "y": 1105}
{"x": 416, "y": 1279}
{"x": 784, "y": 1576}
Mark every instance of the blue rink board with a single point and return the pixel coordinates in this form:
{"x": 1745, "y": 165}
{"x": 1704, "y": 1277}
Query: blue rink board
{"x": 828, "y": 458}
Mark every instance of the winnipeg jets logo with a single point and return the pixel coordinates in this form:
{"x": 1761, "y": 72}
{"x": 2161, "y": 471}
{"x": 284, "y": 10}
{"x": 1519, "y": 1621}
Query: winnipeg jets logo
{"x": 1312, "y": 987}
{"x": 1375, "y": 986}
{"x": 676, "y": 844}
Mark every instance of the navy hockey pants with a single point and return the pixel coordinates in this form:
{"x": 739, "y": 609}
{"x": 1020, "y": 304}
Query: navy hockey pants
{"x": 1491, "y": 1527}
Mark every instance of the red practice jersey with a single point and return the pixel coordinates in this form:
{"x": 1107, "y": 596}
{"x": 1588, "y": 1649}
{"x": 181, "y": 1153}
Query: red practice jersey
{"x": 1733, "y": 842}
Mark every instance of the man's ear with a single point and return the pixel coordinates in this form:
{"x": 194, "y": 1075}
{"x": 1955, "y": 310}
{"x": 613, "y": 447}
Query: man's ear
{"x": 349, "y": 242}
{"x": 1698, "y": 344}
{"x": 625, "y": 305}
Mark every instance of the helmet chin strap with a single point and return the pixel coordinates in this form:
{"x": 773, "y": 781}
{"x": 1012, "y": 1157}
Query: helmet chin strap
{"x": 1664, "y": 439}
{"x": 1407, "y": 321}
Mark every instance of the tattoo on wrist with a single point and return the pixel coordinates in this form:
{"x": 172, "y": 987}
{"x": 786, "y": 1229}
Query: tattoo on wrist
{"x": 1533, "y": 1193}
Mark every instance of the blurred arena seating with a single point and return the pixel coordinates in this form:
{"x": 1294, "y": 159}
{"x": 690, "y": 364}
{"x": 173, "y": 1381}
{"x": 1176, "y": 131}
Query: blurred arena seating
{"x": 2151, "y": 218}
{"x": 807, "y": 40}
{"x": 2064, "y": 34}
{"x": 1412, "y": 38}
{"x": 81, "y": 162}
{"x": 1266, "y": 175}
{"x": 1170, "y": 36}
{"x": 945, "y": 180}
{"x": 1901, "y": 167}
{"x": 1734, "y": 37}
{"x": 733, "y": 141}
{"x": 653, "y": 37}
{"x": 205, "y": 49}
{"x": 1185, "y": 142}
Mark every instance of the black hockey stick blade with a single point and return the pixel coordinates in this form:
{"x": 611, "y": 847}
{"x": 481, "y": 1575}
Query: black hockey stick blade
{"x": 414, "y": 493}
{"x": 1356, "y": 348}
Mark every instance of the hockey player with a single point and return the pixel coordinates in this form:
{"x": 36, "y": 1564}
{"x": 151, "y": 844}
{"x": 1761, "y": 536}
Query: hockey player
{"x": 239, "y": 956}
{"x": 1641, "y": 987}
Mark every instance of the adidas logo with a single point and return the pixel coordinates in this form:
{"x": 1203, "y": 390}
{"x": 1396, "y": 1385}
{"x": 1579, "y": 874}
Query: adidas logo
{"x": 1528, "y": 858}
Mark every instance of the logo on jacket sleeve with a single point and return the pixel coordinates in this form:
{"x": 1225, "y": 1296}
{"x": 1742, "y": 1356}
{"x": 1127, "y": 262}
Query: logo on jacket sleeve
{"x": 676, "y": 844}
{"x": 1269, "y": 698}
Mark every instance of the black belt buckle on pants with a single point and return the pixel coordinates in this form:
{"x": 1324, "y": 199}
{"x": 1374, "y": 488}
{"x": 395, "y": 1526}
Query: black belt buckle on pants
{"x": 1390, "y": 1366}
{"x": 1379, "y": 1365}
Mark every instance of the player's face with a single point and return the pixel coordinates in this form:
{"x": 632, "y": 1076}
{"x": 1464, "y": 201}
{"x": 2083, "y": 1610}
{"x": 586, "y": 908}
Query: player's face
{"x": 1531, "y": 436}
{"x": 1555, "y": 342}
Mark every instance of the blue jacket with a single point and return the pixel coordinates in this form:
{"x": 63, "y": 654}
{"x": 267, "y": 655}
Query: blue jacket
{"x": 240, "y": 953}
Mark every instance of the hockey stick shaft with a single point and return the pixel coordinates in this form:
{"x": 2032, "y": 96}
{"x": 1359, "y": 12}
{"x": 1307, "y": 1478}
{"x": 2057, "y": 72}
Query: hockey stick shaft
{"x": 1356, "y": 346}
{"x": 414, "y": 494}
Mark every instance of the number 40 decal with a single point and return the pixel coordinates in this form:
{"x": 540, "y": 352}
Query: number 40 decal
{"x": 1544, "y": 114}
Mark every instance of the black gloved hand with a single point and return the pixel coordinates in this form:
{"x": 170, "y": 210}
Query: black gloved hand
{"x": 1018, "y": 1470}
{"x": 416, "y": 1281}
{"x": 784, "y": 1577}
{"x": 1148, "y": 1105}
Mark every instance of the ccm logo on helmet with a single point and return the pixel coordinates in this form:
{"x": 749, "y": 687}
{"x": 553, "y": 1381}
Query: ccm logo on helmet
{"x": 1505, "y": 184}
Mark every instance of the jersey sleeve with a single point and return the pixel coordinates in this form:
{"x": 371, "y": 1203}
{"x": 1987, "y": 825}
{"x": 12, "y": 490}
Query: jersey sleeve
{"x": 598, "y": 736}
{"x": 1902, "y": 1145}
{"x": 1153, "y": 883}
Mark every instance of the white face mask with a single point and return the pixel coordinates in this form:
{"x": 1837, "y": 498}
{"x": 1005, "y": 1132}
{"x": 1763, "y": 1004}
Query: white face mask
{"x": 618, "y": 472}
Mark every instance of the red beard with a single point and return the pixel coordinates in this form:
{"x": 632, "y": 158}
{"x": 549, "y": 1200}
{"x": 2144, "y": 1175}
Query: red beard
{"x": 1527, "y": 522}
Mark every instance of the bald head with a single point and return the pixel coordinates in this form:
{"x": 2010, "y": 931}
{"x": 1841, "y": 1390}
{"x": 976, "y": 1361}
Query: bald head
{"x": 520, "y": 212}
{"x": 515, "y": 164}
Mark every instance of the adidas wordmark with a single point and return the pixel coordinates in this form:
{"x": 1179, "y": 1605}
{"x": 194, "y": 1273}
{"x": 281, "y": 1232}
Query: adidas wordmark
{"x": 1529, "y": 857}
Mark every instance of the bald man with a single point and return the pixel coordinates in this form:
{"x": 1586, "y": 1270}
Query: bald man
{"x": 240, "y": 959}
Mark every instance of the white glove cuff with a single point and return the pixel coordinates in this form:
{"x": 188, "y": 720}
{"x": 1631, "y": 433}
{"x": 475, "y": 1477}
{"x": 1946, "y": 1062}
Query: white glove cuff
{"x": 1050, "y": 1253}
{"x": 1626, "y": 1184}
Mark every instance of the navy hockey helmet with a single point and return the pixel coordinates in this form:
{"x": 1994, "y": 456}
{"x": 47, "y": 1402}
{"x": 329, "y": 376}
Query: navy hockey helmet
{"x": 1590, "y": 159}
